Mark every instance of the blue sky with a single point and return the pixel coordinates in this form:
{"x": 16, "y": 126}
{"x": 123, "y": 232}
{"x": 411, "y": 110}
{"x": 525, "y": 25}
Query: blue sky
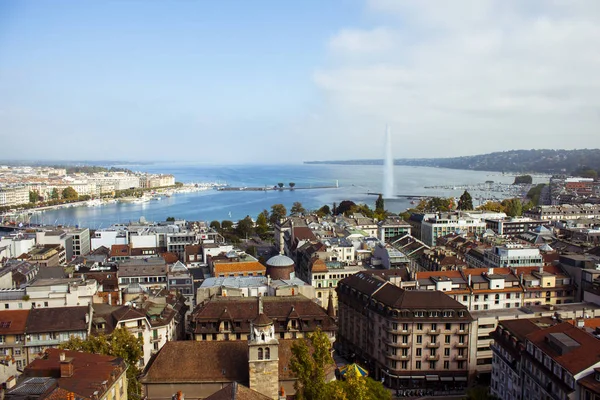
{"x": 278, "y": 81}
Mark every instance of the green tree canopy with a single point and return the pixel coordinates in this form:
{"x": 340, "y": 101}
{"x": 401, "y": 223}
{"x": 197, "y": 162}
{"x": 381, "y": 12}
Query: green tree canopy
{"x": 292, "y": 184}
{"x": 54, "y": 195}
{"x": 69, "y": 194}
{"x": 120, "y": 343}
{"x": 34, "y": 196}
{"x": 379, "y": 204}
{"x": 345, "y": 207}
{"x": 513, "y": 207}
{"x": 310, "y": 358}
{"x": 297, "y": 208}
{"x": 262, "y": 223}
{"x": 216, "y": 225}
{"x": 323, "y": 211}
{"x": 280, "y": 184}
{"x": 436, "y": 204}
{"x": 170, "y": 219}
{"x": 465, "y": 202}
{"x": 226, "y": 225}
{"x": 245, "y": 227}
{"x": 278, "y": 211}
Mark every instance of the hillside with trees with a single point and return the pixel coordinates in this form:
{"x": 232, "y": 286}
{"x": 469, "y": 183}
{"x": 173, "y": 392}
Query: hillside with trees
{"x": 578, "y": 162}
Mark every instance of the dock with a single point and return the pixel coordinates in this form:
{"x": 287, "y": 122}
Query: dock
{"x": 271, "y": 188}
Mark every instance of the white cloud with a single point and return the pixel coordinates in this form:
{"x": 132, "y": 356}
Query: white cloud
{"x": 448, "y": 74}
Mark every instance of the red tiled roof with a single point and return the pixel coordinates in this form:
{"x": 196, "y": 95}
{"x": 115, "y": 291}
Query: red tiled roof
{"x": 120, "y": 250}
{"x": 89, "y": 371}
{"x": 13, "y": 322}
{"x": 576, "y": 360}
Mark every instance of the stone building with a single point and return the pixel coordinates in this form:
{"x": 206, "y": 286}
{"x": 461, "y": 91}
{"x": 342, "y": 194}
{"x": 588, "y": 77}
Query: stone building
{"x": 406, "y": 338}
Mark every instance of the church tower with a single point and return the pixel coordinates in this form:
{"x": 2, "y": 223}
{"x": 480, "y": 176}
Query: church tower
{"x": 263, "y": 355}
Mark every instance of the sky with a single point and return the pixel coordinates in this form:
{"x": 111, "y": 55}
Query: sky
{"x": 235, "y": 81}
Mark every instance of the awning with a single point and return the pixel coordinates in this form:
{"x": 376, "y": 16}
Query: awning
{"x": 404, "y": 377}
{"x": 418, "y": 377}
{"x": 446, "y": 378}
{"x": 460, "y": 378}
{"x": 432, "y": 377}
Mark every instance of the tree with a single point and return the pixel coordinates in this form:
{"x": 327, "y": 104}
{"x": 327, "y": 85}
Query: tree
{"x": 357, "y": 387}
{"x": 334, "y": 209}
{"x": 513, "y": 207}
{"x": 170, "y": 219}
{"x": 245, "y": 227}
{"x": 310, "y": 356}
{"x": 278, "y": 211}
{"x": 69, "y": 194}
{"x": 465, "y": 202}
{"x": 479, "y": 393}
{"x": 120, "y": 343}
{"x": 216, "y": 225}
{"x": 491, "y": 206}
{"x": 262, "y": 223}
{"x": 226, "y": 225}
{"x": 346, "y": 207}
{"x": 297, "y": 208}
{"x": 323, "y": 211}
{"x": 34, "y": 196}
{"x": 54, "y": 194}
{"x": 379, "y": 204}
{"x": 292, "y": 184}
{"x": 280, "y": 184}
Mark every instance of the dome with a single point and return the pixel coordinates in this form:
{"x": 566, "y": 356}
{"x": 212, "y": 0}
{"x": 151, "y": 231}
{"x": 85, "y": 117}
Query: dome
{"x": 280, "y": 261}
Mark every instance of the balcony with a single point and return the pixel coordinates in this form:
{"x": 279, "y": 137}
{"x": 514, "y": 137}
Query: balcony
{"x": 432, "y": 358}
{"x": 435, "y": 331}
{"x": 396, "y": 344}
{"x": 157, "y": 338}
{"x": 397, "y": 357}
{"x": 398, "y": 331}
{"x": 432, "y": 345}
{"x": 461, "y": 345}
{"x": 460, "y": 331}
{"x": 45, "y": 342}
{"x": 460, "y": 357}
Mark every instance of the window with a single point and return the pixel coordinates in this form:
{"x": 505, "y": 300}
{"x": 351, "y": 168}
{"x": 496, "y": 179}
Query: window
{"x": 432, "y": 364}
{"x": 418, "y": 365}
{"x": 419, "y": 327}
{"x": 462, "y": 327}
{"x": 419, "y": 339}
{"x": 448, "y": 327}
{"x": 419, "y": 352}
{"x": 446, "y": 352}
{"x": 260, "y": 353}
{"x": 447, "y": 339}
{"x": 446, "y": 364}
{"x": 267, "y": 353}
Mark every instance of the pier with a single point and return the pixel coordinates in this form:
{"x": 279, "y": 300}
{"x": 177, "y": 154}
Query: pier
{"x": 271, "y": 188}
{"x": 403, "y": 196}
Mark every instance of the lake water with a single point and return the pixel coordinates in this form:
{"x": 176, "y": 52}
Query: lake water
{"x": 354, "y": 184}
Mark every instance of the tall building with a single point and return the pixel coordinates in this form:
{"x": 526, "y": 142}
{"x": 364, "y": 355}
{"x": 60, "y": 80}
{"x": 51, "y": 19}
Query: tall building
{"x": 407, "y": 339}
{"x": 263, "y": 355}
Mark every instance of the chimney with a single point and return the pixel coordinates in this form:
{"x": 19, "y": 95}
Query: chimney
{"x": 580, "y": 323}
{"x": 11, "y": 382}
{"x": 282, "y": 393}
{"x": 541, "y": 269}
{"x": 490, "y": 271}
{"x": 66, "y": 366}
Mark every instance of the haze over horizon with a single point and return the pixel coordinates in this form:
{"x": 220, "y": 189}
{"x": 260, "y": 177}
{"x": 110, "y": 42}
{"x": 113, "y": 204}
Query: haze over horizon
{"x": 268, "y": 81}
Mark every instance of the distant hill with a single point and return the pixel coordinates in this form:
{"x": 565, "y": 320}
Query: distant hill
{"x": 536, "y": 161}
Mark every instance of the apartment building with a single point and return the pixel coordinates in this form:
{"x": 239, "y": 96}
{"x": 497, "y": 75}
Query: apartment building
{"x": 513, "y": 255}
{"x": 228, "y": 318}
{"x": 13, "y": 195}
{"x": 234, "y": 263}
{"x": 65, "y": 374}
{"x": 392, "y": 227}
{"x": 513, "y": 226}
{"x": 49, "y": 255}
{"x": 325, "y": 277}
{"x": 406, "y": 338}
{"x": 49, "y": 327}
{"x": 147, "y": 273}
{"x": 552, "y": 361}
{"x": 500, "y": 288}
{"x": 440, "y": 225}
{"x": 13, "y": 325}
{"x": 485, "y": 323}
{"x": 564, "y": 212}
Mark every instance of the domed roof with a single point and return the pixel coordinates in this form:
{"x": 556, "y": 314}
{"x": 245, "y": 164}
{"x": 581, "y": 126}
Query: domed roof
{"x": 280, "y": 261}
